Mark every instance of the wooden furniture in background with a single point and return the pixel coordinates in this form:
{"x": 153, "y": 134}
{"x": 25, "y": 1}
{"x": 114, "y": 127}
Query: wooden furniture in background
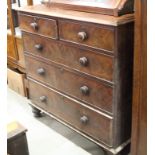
{"x": 29, "y": 2}
{"x": 79, "y": 70}
{"x": 15, "y": 47}
{"x": 139, "y": 110}
{"x": 11, "y": 48}
{"x": 15, "y": 53}
{"x": 16, "y": 81}
{"x": 16, "y": 139}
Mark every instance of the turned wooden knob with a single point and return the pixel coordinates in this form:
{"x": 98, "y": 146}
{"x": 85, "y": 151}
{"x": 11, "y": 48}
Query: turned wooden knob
{"x": 84, "y": 119}
{"x": 34, "y": 25}
{"x": 82, "y": 36}
{"x": 41, "y": 71}
{"x": 83, "y": 61}
{"x": 43, "y": 98}
{"x": 39, "y": 47}
{"x": 84, "y": 90}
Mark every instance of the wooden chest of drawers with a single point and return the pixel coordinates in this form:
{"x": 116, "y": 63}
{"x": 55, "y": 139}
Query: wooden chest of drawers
{"x": 79, "y": 67}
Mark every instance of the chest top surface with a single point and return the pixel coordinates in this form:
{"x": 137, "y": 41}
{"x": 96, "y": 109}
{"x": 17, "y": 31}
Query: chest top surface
{"x": 76, "y": 15}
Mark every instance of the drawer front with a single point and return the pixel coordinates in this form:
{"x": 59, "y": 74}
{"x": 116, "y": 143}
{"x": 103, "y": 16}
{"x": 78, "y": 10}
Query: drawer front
{"x": 88, "y": 90}
{"x": 89, "y": 62}
{"x": 38, "y": 25}
{"x": 87, "y": 34}
{"x": 86, "y": 120}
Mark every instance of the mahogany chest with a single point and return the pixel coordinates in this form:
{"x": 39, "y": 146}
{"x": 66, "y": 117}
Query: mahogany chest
{"x": 79, "y": 67}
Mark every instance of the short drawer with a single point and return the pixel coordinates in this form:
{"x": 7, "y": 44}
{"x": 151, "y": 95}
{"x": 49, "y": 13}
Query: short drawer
{"x": 92, "y": 35}
{"x": 84, "y": 88}
{"x": 96, "y": 125}
{"x": 92, "y": 63}
{"x": 34, "y": 24}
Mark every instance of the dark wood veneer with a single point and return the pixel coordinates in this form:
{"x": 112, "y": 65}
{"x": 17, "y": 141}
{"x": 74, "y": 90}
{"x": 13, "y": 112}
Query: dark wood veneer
{"x": 99, "y": 95}
{"x": 98, "y": 65}
{"x": 38, "y": 25}
{"x": 96, "y": 36}
{"x": 98, "y": 126}
{"x": 73, "y": 71}
{"x": 123, "y": 67}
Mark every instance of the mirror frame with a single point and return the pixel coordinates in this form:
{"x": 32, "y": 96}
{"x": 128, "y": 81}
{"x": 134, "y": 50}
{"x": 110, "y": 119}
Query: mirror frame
{"x": 113, "y": 7}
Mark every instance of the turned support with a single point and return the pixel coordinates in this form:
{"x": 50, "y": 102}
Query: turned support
{"x": 36, "y": 112}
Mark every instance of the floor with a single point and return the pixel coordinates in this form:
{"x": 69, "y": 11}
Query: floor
{"x": 45, "y": 134}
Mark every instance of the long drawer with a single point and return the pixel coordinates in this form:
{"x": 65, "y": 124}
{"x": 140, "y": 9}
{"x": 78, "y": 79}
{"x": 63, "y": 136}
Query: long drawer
{"x": 96, "y": 125}
{"x": 91, "y": 35}
{"x": 84, "y": 88}
{"x": 92, "y": 63}
{"x": 38, "y": 25}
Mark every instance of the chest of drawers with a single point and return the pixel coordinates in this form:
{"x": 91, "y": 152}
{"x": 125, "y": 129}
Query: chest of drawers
{"x": 79, "y": 67}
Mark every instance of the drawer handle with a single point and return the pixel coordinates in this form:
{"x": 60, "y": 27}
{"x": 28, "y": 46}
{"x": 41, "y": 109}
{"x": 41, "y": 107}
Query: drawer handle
{"x": 84, "y": 119}
{"x": 39, "y": 47}
{"x": 82, "y": 36}
{"x": 83, "y": 61}
{"x": 84, "y": 90}
{"x": 43, "y": 98}
{"x": 34, "y": 26}
{"x": 41, "y": 71}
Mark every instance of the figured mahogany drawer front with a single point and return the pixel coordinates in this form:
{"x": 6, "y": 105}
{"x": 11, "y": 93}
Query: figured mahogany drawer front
{"x": 88, "y": 90}
{"x": 38, "y": 25}
{"x": 86, "y": 61}
{"x": 86, "y": 120}
{"x": 87, "y": 34}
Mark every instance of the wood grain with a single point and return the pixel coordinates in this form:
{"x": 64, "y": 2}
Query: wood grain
{"x": 99, "y": 65}
{"x": 29, "y": 2}
{"x": 11, "y": 51}
{"x": 100, "y": 95}
{"x": 55, "y": 67}
{"x": 98, "y": 126}
{"x": 11, "y": 48}
{"x": 139, "y": 110}
{"x": 96, "y": 36}
{"x": 123, "y": 79}
{"x": 42, "y": 10}
{"x": 43, "y": 26}
{"x": 21, "y": 61}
